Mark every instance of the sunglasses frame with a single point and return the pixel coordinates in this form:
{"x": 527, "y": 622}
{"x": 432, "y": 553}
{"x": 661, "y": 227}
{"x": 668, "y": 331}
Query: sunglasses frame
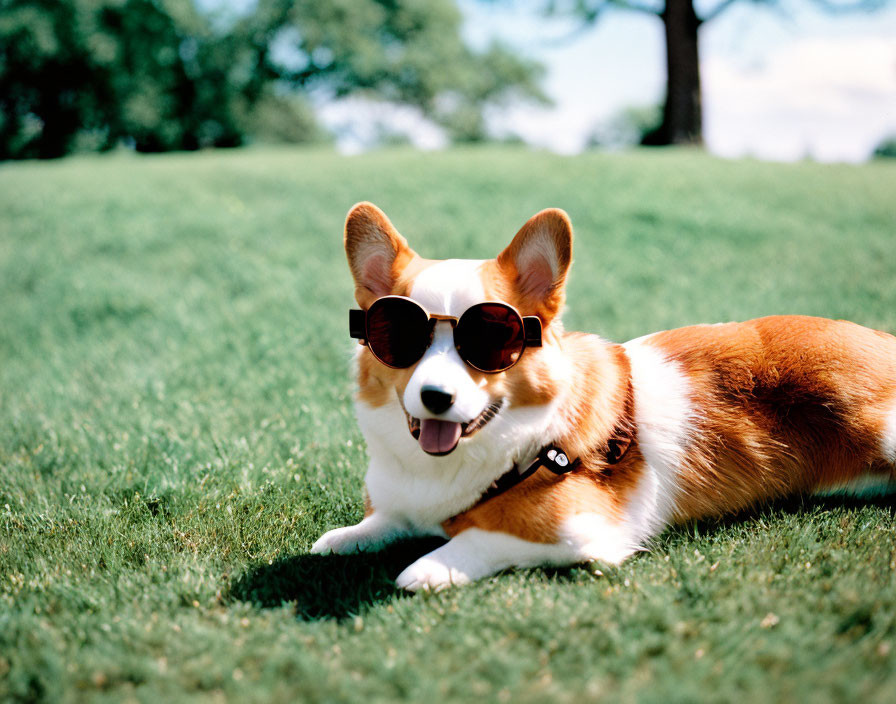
{"x": 532, "y": 329}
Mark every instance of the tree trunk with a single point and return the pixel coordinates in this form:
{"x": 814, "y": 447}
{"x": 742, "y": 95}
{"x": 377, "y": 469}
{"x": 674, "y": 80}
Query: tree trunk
{"x": 682, "y": 113}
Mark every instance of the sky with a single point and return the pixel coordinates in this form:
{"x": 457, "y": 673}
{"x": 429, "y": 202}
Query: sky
{"x": 780, "y": 85}
{"x": 777, "y": 84}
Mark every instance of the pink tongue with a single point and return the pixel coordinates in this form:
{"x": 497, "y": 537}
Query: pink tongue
{"x": 438, "y": 437}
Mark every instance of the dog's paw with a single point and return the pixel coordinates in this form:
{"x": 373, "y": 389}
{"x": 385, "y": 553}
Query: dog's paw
{"x": 340, "y": 541}
{"x": 370, "y": 534}
{"x": 428, "y": 574}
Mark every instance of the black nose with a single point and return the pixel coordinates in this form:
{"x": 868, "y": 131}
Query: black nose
{"x": 436, "y": 398}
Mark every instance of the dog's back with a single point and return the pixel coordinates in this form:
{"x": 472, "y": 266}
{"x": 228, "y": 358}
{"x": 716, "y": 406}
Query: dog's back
{"x": 779, "y": 405}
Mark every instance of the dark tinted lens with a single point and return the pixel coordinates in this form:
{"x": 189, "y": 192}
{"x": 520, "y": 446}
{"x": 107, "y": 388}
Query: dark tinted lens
{"x": 489, "y": 337}
{"x": 398, "y": 331}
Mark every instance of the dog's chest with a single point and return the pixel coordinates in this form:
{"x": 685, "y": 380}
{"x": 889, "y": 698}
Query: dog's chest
{"x": 425, "y": 491}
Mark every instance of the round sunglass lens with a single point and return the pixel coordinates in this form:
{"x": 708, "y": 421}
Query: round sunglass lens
{"x": 490, "y": 337}
{"x": 397, "y": 331}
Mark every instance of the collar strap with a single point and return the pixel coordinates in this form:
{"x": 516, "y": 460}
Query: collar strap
{"x": 557, "y": 461}
{"x": 550, "y": 456}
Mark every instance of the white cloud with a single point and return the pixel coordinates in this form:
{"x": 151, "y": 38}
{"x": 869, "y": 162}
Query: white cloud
{"x": 831, "y": 99}
{"x": 360, "y": 124}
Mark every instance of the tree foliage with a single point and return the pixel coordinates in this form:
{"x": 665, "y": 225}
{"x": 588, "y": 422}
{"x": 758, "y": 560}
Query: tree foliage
{"x": 150, "y": 73}
{"x": 162, "y": 74}
{"x": 886, "y": 149}
{"x": 405, "y": 51}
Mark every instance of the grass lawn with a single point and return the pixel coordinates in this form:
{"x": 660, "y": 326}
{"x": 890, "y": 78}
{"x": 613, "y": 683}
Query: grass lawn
{"x": 176, "y": 429}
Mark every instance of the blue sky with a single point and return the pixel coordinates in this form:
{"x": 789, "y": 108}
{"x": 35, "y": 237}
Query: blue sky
{"x": 781, "y": 85}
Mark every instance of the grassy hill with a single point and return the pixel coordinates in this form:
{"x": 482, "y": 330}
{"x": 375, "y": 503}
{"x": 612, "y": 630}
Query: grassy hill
{"x": 176, "y": 429}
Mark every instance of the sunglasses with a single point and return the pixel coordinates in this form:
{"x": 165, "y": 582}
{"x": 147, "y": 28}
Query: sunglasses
{"x": 490, "y": 336}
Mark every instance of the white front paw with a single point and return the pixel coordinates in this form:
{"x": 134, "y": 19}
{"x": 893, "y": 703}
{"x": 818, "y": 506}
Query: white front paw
{"x": 340, "y": 541}
{"x": 370, "y": 534}
{"x": 430, "y": 574}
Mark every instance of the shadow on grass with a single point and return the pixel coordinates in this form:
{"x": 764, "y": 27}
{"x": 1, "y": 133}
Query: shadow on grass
{"x": 330, "y": 586}
{"x": 342, "y": 586}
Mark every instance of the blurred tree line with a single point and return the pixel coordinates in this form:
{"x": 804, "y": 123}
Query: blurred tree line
{"x": 162, "y": 75}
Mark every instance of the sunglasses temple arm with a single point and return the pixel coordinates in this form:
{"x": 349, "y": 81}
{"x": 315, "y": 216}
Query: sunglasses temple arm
{"x": 532, "y": 330}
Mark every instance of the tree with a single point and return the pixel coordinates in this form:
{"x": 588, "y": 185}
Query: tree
{"x": 682, "y": 120}
{"x": 404, "y": 51}
{"x": 152, "y": 73}
{"x": 163, "y": 74}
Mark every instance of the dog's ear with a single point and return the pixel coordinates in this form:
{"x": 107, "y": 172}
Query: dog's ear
{"x": 537, "y": 261}
{"x": 376, "y": 252}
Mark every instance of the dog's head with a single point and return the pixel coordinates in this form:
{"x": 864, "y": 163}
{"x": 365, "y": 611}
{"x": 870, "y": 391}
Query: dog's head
{"x": 446, "y": 400}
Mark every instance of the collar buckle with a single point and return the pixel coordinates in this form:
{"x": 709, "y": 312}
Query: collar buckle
{"x": 556, "y": 460}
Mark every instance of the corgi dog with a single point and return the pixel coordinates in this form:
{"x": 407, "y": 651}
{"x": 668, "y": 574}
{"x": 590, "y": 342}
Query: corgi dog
{"x": 523, "y": 444}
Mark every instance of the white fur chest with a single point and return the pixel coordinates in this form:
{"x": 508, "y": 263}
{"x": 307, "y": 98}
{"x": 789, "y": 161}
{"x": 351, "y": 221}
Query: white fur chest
{"x": 422, "y": 490}
{"x": 665, "y": 417}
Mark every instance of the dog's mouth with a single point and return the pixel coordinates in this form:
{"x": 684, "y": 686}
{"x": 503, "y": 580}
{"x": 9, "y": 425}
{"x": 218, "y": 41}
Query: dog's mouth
{"x": 440, "y": 437}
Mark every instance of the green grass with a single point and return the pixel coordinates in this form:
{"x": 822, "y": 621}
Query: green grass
{"x": 176, "y": 429}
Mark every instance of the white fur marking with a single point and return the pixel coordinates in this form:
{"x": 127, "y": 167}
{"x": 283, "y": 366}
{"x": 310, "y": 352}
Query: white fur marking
{"x": 449, "y": 287}
{"x": 422, "y": 490}
{"x": 665, "y": 418}
{"x": 477, "y": 553}
{"x": 889, "y": 439}
{"x": 592, "y": 536}
{"x": 442, "y": 366}
{"x": 372, "y": 533}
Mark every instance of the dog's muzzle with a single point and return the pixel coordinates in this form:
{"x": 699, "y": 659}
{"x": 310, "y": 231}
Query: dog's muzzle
{"x": 440, "y": 437}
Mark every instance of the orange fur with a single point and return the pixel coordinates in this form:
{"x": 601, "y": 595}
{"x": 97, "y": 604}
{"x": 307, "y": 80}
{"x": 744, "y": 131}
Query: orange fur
{"x": 535, "y": 264}
{"x": 786, "y": 404}
{"x": 377, "y": 254}
{"x": 599, "y": 404}
{"x": 377, "y": 383}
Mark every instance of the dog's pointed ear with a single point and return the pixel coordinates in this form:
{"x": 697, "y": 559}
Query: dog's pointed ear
{"x": 376, "y": 252}
{"x": 537, "y": 261}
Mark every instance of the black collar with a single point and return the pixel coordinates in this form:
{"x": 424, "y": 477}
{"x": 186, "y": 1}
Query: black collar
{"x": 550, "y": 456}
{"x": 557, "y": 461}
